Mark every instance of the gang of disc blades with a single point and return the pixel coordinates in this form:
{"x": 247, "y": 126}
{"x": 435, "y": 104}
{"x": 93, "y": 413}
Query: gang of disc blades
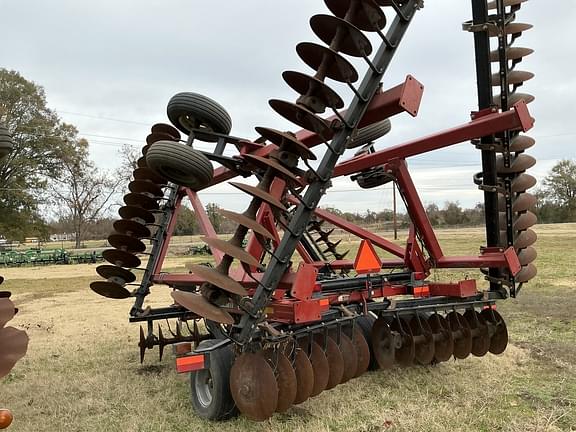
{"x": 201, "y": 307}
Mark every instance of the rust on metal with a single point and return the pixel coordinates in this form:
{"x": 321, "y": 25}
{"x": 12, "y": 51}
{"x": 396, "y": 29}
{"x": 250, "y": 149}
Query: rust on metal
{"x": 304, "y": 376}
{"x": 253, "y": 386}
{"x": 351, "y": 41}
{"x": 145, "y": 173}
{"x": 136, "y": 213}
{"x": 14, "y": 345}
{"x": 287, "y": 140}
{"x": 512, "y": 53}
{"x": 201, "y": 307}
{"x": 525, "y": 239}
{"x": 247, "y": 222}
{"x": 443, "y": 340}
{"x": 140, "y": 200}
{"x": 462, "y": 335}
{"x": 110, "y": 289}
{"x": 310, "y": 86}
{"x": 121, "y": 258}
{"x": 145, "y": 187}
{"x": 110, "y": 271}
{"x": 131, "y": 228}
{"x": 383, "y": 344}
{"x": 514, "y": 77}
{"x": 333, "y": 65}
{"x": 285, "y": 378}
{"x": 231, "y": 250}
{"x": 166, "y": 129}
{"x": 218, "y": 279}
{"x": 499, "y": 339}
{"x": 367, "y": 16}
{"x": 319, "y": 366}
{"x": 260, "y": 194}
{"x": 301, "y": 116}
{"x": 280, "y": 170}
{"x": 126, "y": 243}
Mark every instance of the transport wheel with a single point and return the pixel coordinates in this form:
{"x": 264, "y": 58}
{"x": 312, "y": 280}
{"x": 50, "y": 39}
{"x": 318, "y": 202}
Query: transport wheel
{"x": 180, "y": 164}
{"x": 189, "y": 111}
{"x": 210, "y": 388}
{"x": 370, "y": 133}
{"x": 365, "y": 323}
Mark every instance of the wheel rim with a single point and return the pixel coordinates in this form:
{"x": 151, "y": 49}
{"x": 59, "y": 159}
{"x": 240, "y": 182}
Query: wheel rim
{"x": 204, "y": 386}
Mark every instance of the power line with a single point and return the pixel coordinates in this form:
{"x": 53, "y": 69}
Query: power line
{"x": 102, "y": 117}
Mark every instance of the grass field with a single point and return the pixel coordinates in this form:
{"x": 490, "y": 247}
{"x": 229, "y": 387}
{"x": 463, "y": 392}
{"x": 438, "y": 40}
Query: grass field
{"x": 82, "y": 371}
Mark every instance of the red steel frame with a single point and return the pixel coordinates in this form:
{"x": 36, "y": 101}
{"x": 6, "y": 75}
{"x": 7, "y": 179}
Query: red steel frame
{"x": 301, "y": 307}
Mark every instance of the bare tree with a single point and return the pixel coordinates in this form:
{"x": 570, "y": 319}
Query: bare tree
{"x": 83, "y": 193}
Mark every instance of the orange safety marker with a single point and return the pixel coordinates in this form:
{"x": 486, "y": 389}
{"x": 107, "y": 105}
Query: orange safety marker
{"x": 189, "y": 363}
{"x": 367, "y": 261}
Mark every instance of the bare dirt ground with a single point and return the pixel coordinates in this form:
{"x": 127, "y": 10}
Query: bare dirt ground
{"x": 82, "y": 371}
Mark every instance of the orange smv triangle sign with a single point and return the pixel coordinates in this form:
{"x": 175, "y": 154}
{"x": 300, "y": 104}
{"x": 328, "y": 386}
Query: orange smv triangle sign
{"x": 367, "y": 261}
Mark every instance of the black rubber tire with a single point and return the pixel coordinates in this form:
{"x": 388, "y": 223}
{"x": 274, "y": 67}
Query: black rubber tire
{"x": 372, "y": 182}
{"x": 365, "y": 322}
{"x": 370, "y": 133}
{"x": 180, "y": 164}
{"x": 221, "y": 405}
{"x": 193, "y": 111}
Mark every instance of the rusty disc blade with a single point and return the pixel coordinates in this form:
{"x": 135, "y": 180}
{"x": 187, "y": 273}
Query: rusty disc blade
{"x": 499, "y": 339}
{"x": 301, "y": 116}
{"x": 110, "y": 290}
{"x": 524, "y": 202}
{"x": 285, "y": 378}
{"x": 131, "y": 228}
{"x": 158, "y": 136}
{"x": 528, "y": 255}
{"x": 280, "y": 170}
{"x": 518, "y": 164}
{"x": 14, "y": 345}
{"x": 424, "y": 350}
{"x": 514, "y": 77}
{"x": 525, "y": 221}
{"x": 510, "y": 29}
{"x": 352, "y": 41}
{"x": 362, "y": 350}
{"x": 145, "y": 173}
{"x": 481, "y": 339}
{"x": 523, "y": 182}
{"x": 126, "y": 243}
{"x": 512, "y": 53}
{"x": 304, "y": 377}
{"x": 404, "y": 355}
{"x": 201, "y": 307}
{"x": 335, "y": 361}
{"x": 141, "y": 162}
{"x": 331, "y": 64}
{"x": 250, "y": 223}
{"x": 444, "y": 341}
{"x": 383, "y": 344}
{"x": 260, "y": 194}
{"x": 521, "y": 142}
{"x": 253, "y": 386}
{"x": 5, "y": 294}
{"x": 145, "y": 187}
{"x": 513, "y": 99}
{"x": 507, "y": 3}
{"x": 7, "y": 311}
{"x": 527, "y": 273}
{"x": 218, "y": 279}
{"x": 349, "y": 356}
{"x": 231, "y": 250}
{"x": 140, "y": 200}
{"x": 110, "y": 271}
{"x": 367, "y": 16}
{"x": 286, "y": 140}
{"x": 319, "y": 366}
{"x": 525, "y": 239}
{"x": 121, "y": 258}
{"x": 310, "y": 86}
{"x": 137, "y": 214}
{"x": 166, "y": 129}
{"x": 462, "y": 335}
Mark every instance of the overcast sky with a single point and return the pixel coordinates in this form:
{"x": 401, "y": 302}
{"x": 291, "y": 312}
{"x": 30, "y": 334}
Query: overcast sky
{"x": 110, "y": 67}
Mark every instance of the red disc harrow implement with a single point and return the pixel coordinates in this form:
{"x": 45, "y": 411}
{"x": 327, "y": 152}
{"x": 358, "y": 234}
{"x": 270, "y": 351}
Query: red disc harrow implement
{"x": 285, "y": 313}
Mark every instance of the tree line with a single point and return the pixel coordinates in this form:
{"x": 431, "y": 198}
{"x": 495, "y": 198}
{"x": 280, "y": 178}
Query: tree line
{"x": 48, "y": 184}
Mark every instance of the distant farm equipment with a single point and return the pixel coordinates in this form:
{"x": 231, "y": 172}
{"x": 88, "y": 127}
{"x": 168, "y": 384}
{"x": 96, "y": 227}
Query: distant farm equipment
{"x": 39, "y": 256}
